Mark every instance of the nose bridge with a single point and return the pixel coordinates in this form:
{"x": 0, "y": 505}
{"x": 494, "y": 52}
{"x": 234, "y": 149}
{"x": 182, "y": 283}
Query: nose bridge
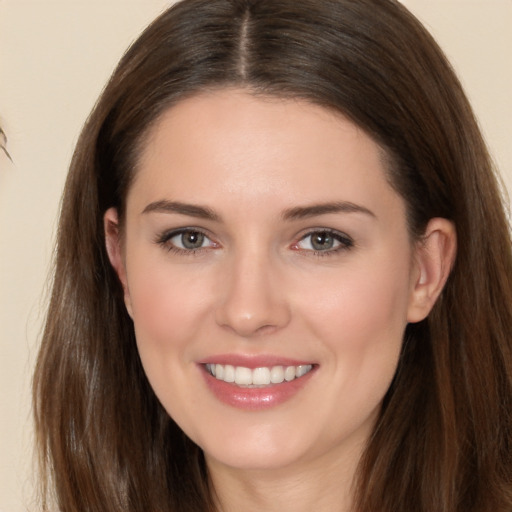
{"x": 252, "y": 301}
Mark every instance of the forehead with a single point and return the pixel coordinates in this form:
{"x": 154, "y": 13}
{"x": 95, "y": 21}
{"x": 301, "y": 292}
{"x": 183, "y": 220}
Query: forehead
{"x": 230, "y": 143}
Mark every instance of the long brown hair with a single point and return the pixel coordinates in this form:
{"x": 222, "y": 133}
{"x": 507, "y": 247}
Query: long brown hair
{"x": 443, "y": 441}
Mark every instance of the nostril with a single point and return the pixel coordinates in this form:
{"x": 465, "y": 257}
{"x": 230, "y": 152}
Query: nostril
{"x": 248, "y": 330}
{"x": 266, "y": 329}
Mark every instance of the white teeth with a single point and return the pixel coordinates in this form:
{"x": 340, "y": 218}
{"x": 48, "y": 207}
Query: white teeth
{"x": 277, "y": 375}
{"x": 302, "y": 370}
{"x": 263, "y": 376}
{"x": 289, "y": 373}
{"x": 243, "y": 376}
{"x": 229, "y": 373}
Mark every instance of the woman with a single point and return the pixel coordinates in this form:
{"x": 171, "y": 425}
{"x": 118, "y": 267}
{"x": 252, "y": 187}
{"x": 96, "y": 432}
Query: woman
{"x": 283, "y": 275}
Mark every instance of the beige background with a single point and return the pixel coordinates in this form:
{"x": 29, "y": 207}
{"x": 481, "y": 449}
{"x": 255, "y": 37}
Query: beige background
{"x": 55, "y": 57}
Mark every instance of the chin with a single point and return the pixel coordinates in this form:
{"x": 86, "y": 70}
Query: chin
{"x": 252, "y": 458}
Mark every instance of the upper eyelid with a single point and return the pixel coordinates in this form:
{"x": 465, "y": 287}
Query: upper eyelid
{"x": 311, "y": 231}
{"x": 167, "y": 234}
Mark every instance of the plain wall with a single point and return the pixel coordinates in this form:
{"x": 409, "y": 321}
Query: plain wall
{"x": 55, "y": 57}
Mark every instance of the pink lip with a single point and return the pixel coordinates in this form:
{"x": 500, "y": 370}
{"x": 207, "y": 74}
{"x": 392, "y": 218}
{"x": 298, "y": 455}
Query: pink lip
{"x": 254, "y": 399}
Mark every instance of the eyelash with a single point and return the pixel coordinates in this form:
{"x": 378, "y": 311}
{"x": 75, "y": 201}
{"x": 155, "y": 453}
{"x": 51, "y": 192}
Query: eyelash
{"x": 165, "y": 241}
{"x": 345, "y": 242}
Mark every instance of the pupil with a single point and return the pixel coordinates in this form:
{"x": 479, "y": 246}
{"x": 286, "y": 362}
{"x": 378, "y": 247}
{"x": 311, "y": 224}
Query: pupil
{"x": 192, "y": 240}
{"x": 322, "y": 241}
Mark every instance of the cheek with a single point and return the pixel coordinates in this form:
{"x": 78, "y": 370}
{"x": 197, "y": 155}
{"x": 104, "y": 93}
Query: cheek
{"x": 166, "y": 304}
{"x": 359, "y": 320}
{"x": 167, "y": 310}
{"x": 363, "y": 313}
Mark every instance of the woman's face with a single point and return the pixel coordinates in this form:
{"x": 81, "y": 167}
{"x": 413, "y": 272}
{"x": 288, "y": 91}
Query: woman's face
{"x": 264, "y": 244}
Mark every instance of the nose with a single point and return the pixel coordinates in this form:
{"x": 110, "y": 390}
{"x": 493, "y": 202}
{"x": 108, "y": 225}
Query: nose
{"x": 253, "y": 297}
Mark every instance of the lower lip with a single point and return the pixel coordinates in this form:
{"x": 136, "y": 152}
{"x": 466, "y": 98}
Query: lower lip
{"x": 255, "y": 399}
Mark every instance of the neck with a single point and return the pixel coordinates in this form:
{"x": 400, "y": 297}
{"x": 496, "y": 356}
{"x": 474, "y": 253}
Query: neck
{"x": 323, "y": 485}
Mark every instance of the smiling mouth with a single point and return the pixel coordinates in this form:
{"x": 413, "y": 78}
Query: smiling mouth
{"x": 257, "y": 377}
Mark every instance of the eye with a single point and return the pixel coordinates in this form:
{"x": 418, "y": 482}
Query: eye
{"x": 325, "y": 241}
{"x": 185, "y": 240}
{"x": 189, "y": 240}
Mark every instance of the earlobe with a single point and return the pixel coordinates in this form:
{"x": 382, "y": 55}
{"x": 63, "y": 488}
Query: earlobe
{"x": 434, "y": 259}
{"x": 114, "y": 251}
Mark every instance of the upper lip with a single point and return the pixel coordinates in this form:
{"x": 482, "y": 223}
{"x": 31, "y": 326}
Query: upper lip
{"x": 254, "y": 361}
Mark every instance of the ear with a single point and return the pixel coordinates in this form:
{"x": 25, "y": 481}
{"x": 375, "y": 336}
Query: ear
{"x": 434, "y": 258}
{"x": 115, "y": 253}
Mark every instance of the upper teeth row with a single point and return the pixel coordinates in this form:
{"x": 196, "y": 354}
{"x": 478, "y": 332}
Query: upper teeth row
{"x": 257, "y": 376}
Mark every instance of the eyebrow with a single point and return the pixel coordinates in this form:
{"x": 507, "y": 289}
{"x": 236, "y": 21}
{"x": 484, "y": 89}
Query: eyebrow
{"x": 295, "y": 213}
{"x": 191, "y": 210}
{"x": 304, "y": 212}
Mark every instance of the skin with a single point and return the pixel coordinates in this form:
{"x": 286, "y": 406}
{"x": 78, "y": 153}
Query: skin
{"x": 256, "y": 286}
